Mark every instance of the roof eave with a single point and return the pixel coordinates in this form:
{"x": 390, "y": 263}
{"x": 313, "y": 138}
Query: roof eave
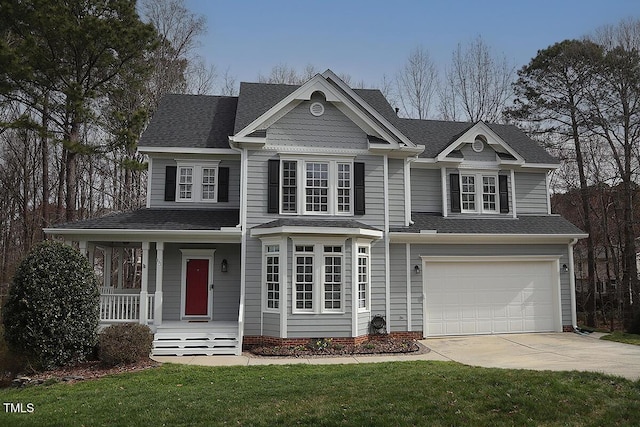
{"x": 326, "y": 231}
{"x": 230, "y": 234}
{"x": 432, "y": 236}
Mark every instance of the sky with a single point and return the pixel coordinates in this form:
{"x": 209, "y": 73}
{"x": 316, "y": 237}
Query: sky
{"x": 370, "y": 38}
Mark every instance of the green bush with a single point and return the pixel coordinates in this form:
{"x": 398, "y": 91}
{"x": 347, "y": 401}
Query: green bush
{"x": 51, "y": 313}
{"x": 125, "y": 343}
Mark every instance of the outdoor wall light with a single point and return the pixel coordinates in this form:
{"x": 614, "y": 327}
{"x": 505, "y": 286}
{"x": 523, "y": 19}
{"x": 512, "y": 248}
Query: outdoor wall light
{"x": 225, "y": 266}
{"x": 417, "y": 269}
{"x": 565, "y": 268}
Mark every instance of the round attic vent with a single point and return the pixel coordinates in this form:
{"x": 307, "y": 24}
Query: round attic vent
{"x": 478, "y": 144}
{"x": 317, "y": 109}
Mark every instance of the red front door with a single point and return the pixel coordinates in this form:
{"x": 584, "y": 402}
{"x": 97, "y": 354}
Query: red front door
{"x": 197, "y": 292}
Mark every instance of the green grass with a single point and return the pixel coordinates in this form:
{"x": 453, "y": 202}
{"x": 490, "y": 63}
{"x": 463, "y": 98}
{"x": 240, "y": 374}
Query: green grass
{"x": 622, "y": 337}
{"x": 384, "y": 394}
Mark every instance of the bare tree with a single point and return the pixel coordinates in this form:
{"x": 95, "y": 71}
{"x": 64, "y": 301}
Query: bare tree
{"x": 228, "y": 86}
{"x": 477, "y": 84}
{"x": 416, "y": 84}
{"x": 281, "y": 74}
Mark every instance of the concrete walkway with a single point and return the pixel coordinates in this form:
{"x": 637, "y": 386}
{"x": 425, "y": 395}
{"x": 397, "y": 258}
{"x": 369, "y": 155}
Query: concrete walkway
{"x": 555, "y": 352}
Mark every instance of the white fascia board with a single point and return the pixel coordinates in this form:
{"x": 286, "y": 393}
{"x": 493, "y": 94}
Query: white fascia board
{"x": 227, "y": 234}
{"x": 492, "y": 139}
{"x": 482, "y": 238}
{"x": 247, "y": 140}
{"x": 541, "y": 166}
{"x": 185, "y": 150}
{"x": 330, "y": 74}
{"x": 333, "y": 231}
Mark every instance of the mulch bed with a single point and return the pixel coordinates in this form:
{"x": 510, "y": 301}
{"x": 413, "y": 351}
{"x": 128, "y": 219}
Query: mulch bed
{"x": 325, "y": 347}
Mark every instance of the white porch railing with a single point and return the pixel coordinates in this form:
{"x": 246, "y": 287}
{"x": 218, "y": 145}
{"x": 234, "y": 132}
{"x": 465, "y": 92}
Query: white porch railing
{"x": 123, "y": 307}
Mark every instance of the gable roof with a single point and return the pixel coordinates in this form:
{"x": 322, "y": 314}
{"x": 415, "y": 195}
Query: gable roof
{"x": 205, "y": 121}
{"x": 197, "y": 121}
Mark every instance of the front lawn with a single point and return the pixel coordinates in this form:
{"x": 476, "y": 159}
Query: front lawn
{"x": 622, "y": 337}
{"x": 403, "y": 393}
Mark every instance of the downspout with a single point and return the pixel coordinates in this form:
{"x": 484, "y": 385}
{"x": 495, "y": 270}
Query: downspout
{"x": 572, "y": 287}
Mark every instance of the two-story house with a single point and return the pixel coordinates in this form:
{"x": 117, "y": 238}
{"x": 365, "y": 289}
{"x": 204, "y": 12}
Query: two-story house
{"x": 296, "y": 212}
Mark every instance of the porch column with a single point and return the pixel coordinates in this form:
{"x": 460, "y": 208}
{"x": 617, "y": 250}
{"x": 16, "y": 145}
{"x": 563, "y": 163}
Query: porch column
{"x": 82, "y": 247}
{"x": 120, "y": 267}
{"x": 106, "y": 268}
{"x": 157, "y": 302}
{"x": 144, "y": 285}
{"x": 91, "y": 249}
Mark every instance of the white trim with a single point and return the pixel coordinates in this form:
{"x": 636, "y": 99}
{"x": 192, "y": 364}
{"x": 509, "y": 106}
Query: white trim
{"x": 387, "y": 273}
{"x": 407, "y": 193}
{"x": 158, "y": 297}
{"x": 284, "y": 286}
{"x": 514, "y": 209}
{"x": 445, "y": 193}
{"x": 149, "y": 178}
{"x": 144, "y": 284}
{"x": 482, "y": 238}
{"x": 270, "y": 241}
{"x": 364, "y": 244}
{"x": 409, "y": 270}
{"x": 354, "y": 288}
{"x": 320, "y": 231}
{"x": 318, "y": 255}
{"x": 470, "y": 135}
{"x": 572, "y": 284}
{"x": 188, "y": 254}
{"x": 546, "y": 185}
{"x": 224, "y": 235}
{"x": 544, "y": 166}
{"x": 488, "y": 258}
{"x": 197, "y": 167}
{"x": 479, "y": 191}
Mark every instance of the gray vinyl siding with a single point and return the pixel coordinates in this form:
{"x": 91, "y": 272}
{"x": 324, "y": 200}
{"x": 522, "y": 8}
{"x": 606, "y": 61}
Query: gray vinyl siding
{"x": 331, "y": 130}
{"x": 396, "y": 193}
{"x": 426, "y": 190}
{"x": 487, "y": 250}
{"x": 398, "y": 303}
{"x": 363, "y": 323}
{"x": 226, "y": 291}
{"x": 377, "y": 285}
{"x": 486, "y": 155}
{"x": 253, "y": 288}
{"x": 531, "y": 193}
{"x": 257, "y": 191}
{"x": 158, "y": 173}
{"x": 271, "y": 324}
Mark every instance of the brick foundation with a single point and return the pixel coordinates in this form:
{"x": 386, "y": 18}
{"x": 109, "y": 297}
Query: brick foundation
{"x": 253, "y": 341}
{"x": 567, "y": 328}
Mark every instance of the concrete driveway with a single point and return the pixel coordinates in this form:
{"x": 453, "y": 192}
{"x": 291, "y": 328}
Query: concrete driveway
{"x": 542, "y": 351}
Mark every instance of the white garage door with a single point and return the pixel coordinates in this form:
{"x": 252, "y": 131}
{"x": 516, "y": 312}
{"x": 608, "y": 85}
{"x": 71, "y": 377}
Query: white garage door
{"x": 490, "y": 297}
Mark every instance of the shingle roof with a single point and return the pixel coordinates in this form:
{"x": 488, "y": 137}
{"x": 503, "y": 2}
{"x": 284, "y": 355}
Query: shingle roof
{"x": 199, "y": 121}
{"x": 534, "y": 224}
{"x": 202, "y": 121}
{"x": 312, "y": 222}
{"x": 160, "y": 219}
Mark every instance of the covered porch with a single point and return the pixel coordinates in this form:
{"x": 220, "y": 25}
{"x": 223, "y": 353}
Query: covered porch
{"x": 183, "y": 281}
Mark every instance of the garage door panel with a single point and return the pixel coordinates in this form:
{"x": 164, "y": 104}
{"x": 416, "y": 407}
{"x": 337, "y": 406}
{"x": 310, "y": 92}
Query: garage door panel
{"x": 489, "y": 297}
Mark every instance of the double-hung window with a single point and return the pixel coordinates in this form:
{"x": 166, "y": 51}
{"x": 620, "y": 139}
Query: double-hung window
{"x": 197, "y": 182}
{"x": 316, "y": 187}
{"x": 272, "y": 276}
{"x": 363, "y": 278}
{"x": 318, "y": 277}
{"x": 479, "y": 193}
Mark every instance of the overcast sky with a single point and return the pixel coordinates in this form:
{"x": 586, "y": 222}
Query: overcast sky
{"x": 370, "y": 38}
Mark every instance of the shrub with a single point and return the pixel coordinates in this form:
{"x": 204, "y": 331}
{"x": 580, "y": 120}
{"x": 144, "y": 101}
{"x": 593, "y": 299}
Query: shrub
{"x": 51, "y": 313}
{"x": 125, "y": 343}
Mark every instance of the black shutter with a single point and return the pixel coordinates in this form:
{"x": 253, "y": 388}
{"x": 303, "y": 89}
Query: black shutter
{"x": 504, "y": 194}
{"x": 170, "y": 183}
{"x": 358, "y": 185}
{"x": 454, "y": 190}
{"x": 223, "y": 184}
{"x": 273, "y": 190}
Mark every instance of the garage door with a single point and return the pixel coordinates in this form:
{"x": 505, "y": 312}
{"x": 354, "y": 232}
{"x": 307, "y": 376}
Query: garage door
{"x": 490, "y": 297}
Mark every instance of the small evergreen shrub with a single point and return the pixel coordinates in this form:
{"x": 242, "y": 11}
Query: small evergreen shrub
{"x": 124, "y": 343}
{"x": 51, "y": 314}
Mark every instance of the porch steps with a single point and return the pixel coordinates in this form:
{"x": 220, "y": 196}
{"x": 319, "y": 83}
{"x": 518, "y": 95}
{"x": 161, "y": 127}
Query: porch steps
{"x": 191, "y": 339}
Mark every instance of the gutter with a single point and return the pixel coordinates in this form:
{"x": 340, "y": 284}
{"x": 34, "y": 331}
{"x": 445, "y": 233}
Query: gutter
{"x": 572, "y": 287}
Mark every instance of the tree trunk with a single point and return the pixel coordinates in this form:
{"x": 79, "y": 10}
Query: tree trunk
{"x": 44, "y": 143}
{"x": 71, "y": 170}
